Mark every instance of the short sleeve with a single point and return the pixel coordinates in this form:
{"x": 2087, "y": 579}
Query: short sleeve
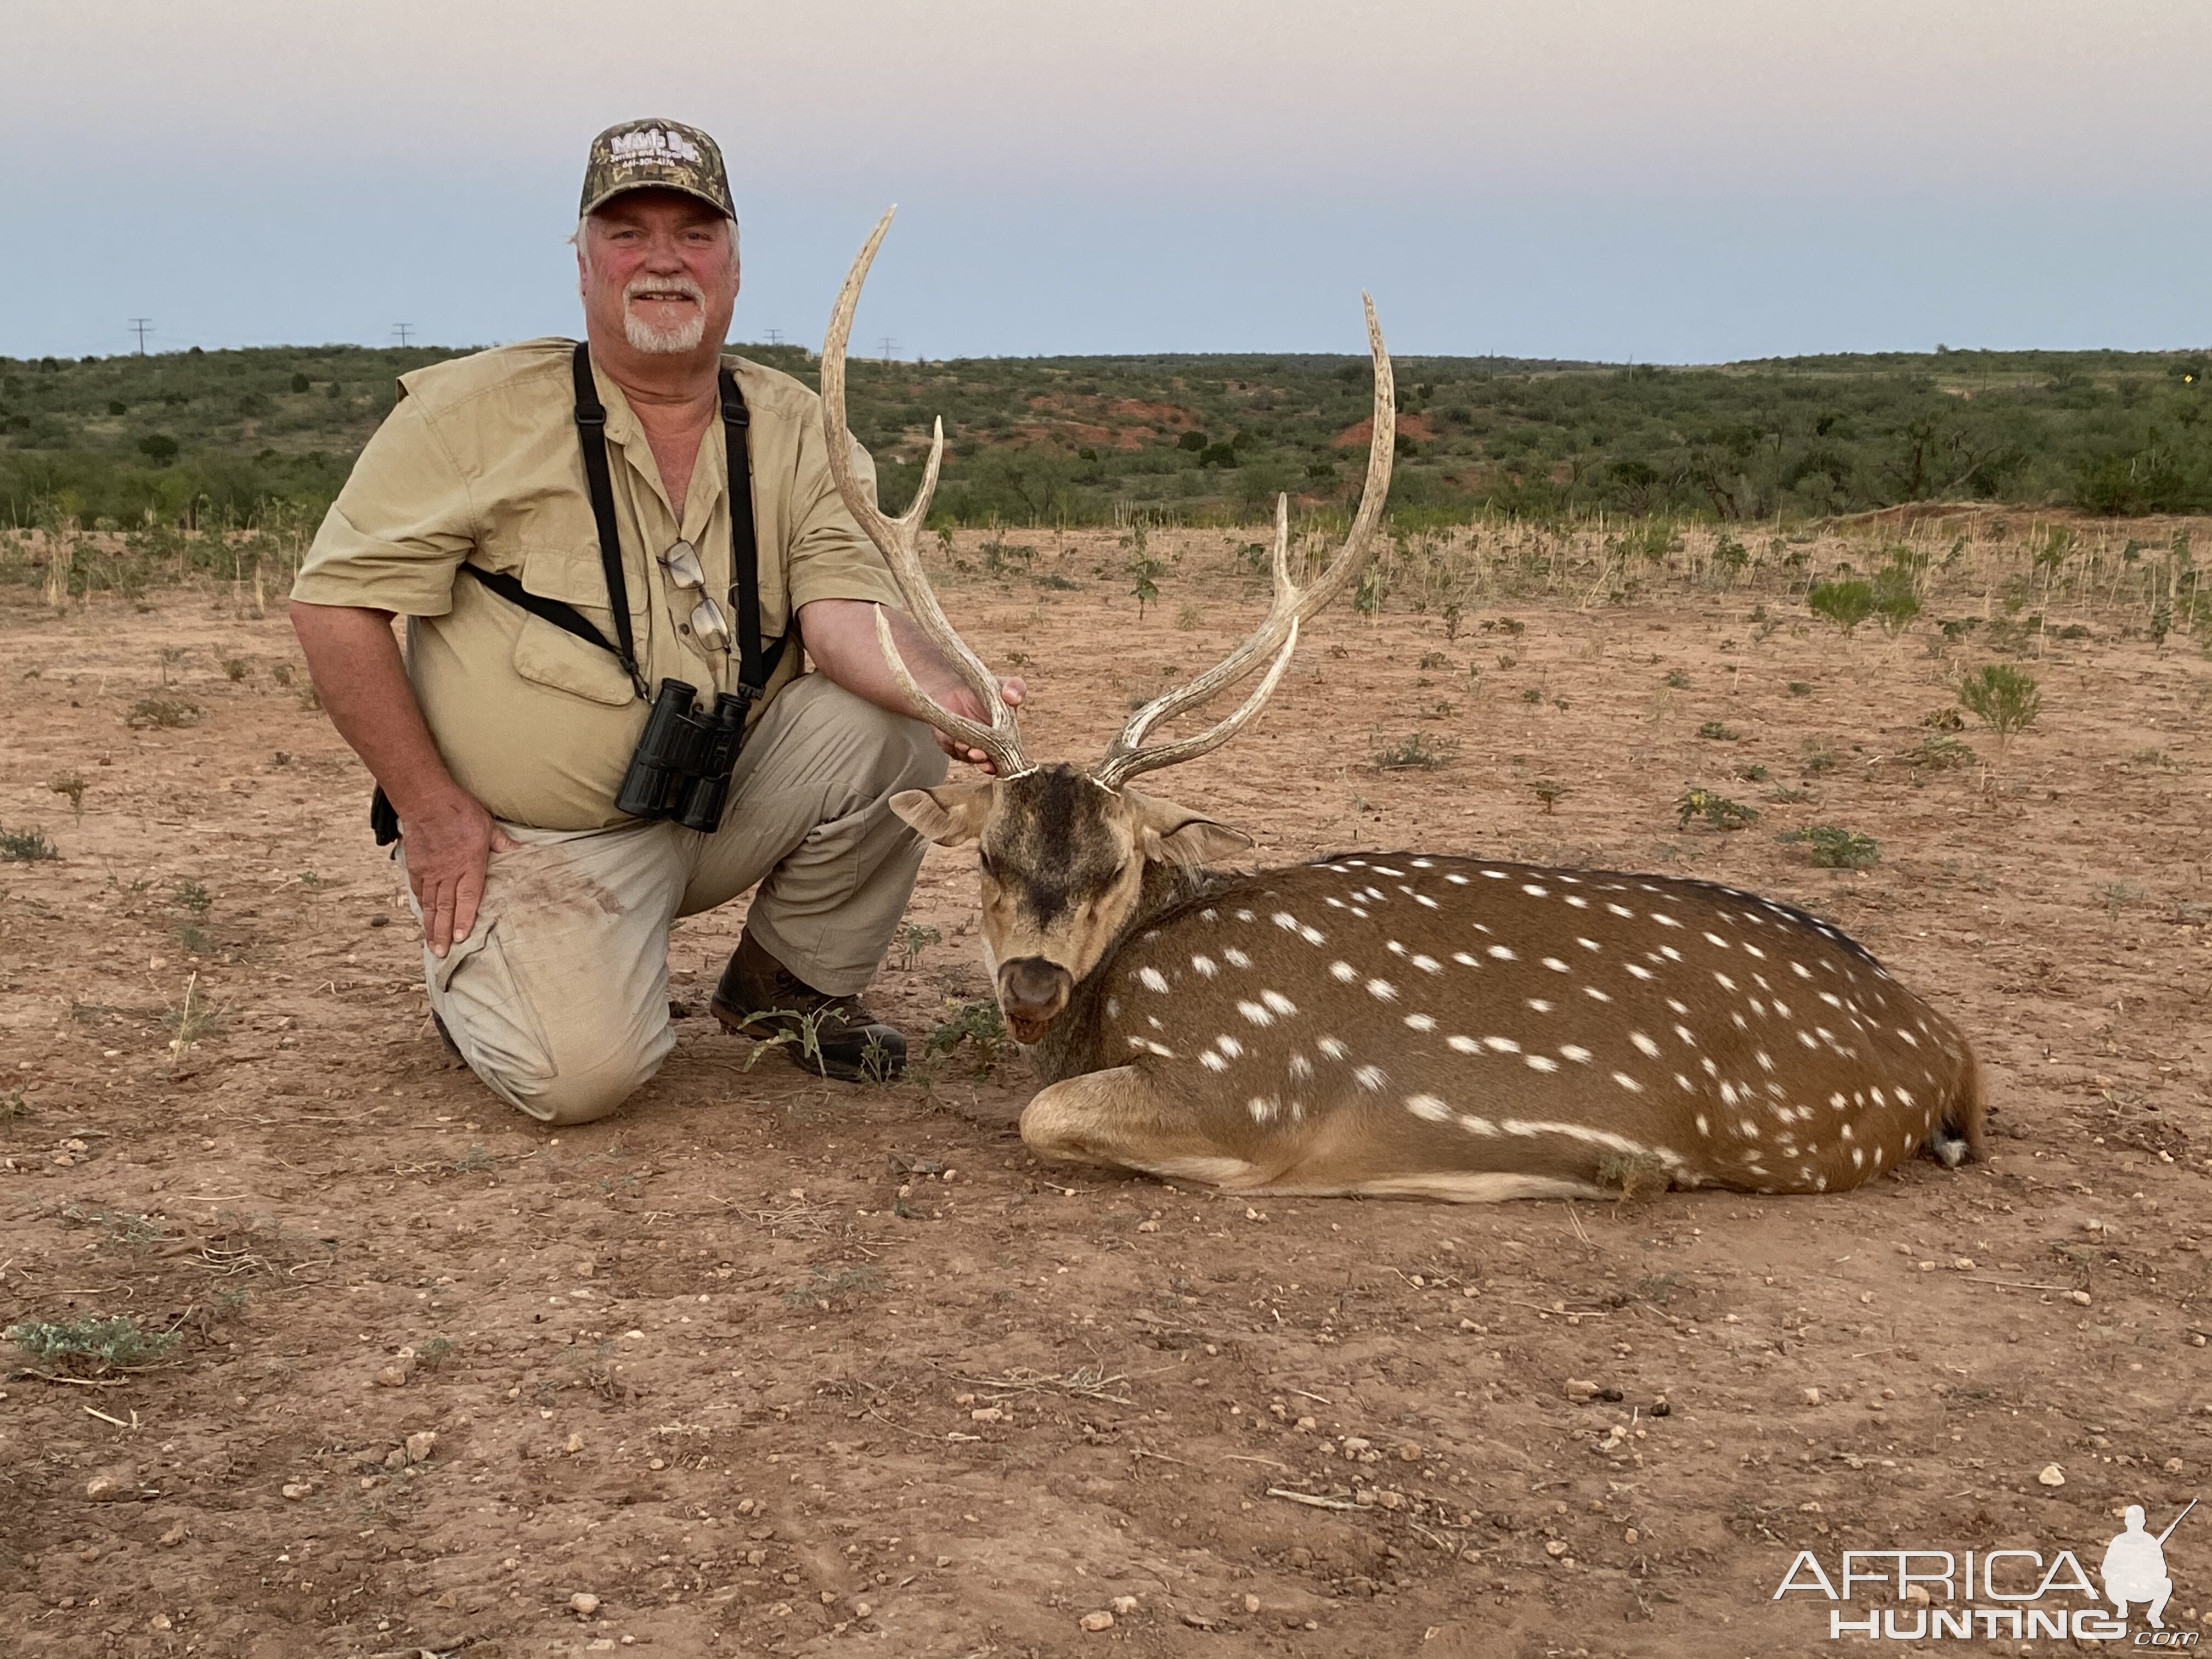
{"x": 830, "y": 559}
{"x": 400, "y": 527}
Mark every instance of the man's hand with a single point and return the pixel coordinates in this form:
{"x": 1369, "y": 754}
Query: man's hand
{"x": 448, "y": 835}
{"x": 447, "y": 849}
{"x": 961, "y": 701}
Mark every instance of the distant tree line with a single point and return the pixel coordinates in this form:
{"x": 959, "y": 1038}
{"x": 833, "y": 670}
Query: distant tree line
{"x": 175, "y": 438}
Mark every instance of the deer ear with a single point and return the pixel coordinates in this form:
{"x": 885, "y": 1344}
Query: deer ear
{"x": 949, "y": 814}
{"x": 1168, "y": 834}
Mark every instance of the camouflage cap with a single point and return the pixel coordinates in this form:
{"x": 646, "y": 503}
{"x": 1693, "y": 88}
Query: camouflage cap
{"x": 654, "y": 154}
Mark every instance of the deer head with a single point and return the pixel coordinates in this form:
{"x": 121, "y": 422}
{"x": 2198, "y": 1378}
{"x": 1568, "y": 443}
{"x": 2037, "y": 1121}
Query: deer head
{"x": 1062, "y": 850}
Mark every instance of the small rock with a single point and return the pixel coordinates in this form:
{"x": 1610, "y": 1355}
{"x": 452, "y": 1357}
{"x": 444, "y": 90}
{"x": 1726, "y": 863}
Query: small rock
{"x": 174, "y": 1537}
{"x": 106, "y": 1488}
{"x": 987, "y": 1414}
{"x": 573, "y": 1445}
{"x": 862, "y": 1610}
{"x": 1555, "y": 1548}
{"x": 2079, "y": 1297}
{"x": 2173, "y": 1466}
{"x": 1631, "y": 1536}
{"x": 1812, "y": 1396}
{"x": 419, "y": 1445}
{"x": 2052, "y": 1475}
{"x": 1148, "y": 1226}
{"x": 1251, "y": 1604}
{"x": 1409, "y": 1453}
{"x": 1099, "y": 1621}
{"x": 296, "y": 1490}
{"x": 1916, "y": 1593}
{"x": 391, "y": 1377}
{"x": 1581, "y": 1390}
{"x": 583, "y": 1604}
{"x": 1124, "y": 1605}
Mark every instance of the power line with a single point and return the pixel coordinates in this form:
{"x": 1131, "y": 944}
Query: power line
{"x": 139, "y": 326}
{"x": 890, "y": 348}
{"x": 404, "y": 330}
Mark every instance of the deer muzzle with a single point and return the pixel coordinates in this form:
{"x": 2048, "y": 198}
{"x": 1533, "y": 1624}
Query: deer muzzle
{"x": 1031, "y": 994}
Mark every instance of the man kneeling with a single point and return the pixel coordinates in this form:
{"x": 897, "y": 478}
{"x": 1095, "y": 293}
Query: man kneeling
{"x": 570, "y": 532}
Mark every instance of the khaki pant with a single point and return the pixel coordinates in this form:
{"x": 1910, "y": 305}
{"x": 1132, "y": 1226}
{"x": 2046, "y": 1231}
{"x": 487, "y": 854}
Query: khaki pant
{"x": 558, "y": 998}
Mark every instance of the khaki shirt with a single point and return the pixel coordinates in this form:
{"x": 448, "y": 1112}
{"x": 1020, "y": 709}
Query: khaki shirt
{"x": 480, "y": 464}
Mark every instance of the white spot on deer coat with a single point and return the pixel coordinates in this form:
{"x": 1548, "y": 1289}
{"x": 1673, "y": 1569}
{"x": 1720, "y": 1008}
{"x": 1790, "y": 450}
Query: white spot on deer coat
{"x": 1382, "y": 990}
{"x": 1205, "y": 966}
{"x": 1371, "y": 1077}
{"x": 1427, "y": 1107}
{"x": 1331, "y": 1047}
{"x": 1576, "y": 1052}
{"x": 1254, "y": 1013}
{"x": 1465, "y": 1045}
{"x": 1503, "y": 1045}
{"x": 1344, "y": 971}
{"x": 1151, "y": 979}
{"x": 1645, "y": 1043}
{"x": 1502, "y": 953}
{"x": 1237, "y": 958}
{"x": 1279, "y": 1003}
{"x": 1628, "y": 1083}
{"x": 1556, "y": 965}
{"x": 1420, "y": 1022}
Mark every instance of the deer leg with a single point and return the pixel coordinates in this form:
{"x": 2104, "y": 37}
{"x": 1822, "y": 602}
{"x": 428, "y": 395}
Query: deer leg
{"x": 1117, "y": 1118}
{"x": 1120, "y": 1119}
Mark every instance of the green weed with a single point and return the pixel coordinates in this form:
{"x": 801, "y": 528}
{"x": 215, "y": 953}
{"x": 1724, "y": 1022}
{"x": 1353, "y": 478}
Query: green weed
{"x": 26, "y": 846}
{"x": 1714, "y": 812}
{"x": 1829, "y": 848}
{"x": 1417, "y": 752}
{"x": 90, "y": 1345}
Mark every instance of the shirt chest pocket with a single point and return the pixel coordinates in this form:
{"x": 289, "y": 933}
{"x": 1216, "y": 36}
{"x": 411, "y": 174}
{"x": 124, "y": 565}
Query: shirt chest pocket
{"x": 548, "y": 654}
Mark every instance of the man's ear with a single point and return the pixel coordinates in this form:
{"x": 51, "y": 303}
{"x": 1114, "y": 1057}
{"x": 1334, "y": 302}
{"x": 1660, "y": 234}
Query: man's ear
{"x": 949, "y": 814}
{"x": 1168, "y": 834}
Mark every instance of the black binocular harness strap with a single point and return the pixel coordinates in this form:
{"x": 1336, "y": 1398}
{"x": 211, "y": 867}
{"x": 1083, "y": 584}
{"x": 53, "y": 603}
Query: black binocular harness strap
{"x": 754, "y": 665}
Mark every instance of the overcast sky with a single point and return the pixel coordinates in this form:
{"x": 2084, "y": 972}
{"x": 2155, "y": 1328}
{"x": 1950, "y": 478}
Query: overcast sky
{"x": 1669, "y": 180}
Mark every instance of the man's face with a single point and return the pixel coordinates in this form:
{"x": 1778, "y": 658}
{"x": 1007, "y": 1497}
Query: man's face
{"x": 658, "y": 269}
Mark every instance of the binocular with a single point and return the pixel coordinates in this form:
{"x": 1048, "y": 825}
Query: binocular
{"x": 681, "y": 768}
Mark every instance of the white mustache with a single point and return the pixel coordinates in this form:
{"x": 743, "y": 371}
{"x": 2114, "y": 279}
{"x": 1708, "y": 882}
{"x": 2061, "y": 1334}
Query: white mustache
{"x": 639, "y": 287}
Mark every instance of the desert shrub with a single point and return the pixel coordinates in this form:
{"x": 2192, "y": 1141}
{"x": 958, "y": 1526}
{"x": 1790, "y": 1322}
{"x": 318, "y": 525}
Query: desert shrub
{"x": 1829, "y": 847}
{"x": 26, "y": 846}
{"x": 1846, "y": 602}
{"x": 163, "y": 712}
{"x": 90, "y": 1344}
{"x": 1415, "y": 753}
{"x": 1714, "y": 812}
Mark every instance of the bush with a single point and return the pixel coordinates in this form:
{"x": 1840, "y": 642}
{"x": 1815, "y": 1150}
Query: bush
{"x": 1828, "y": 847}
{"x": 2006, "y": 698}
{"x": 1846, "y": 602}
{"x": 26, "y": 846}
{"x": 1714, "y": 812}
{"x": 90, "y": 1344}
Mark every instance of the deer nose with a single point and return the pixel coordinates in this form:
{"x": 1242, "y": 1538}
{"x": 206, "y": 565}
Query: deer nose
{"x": 1032, "y": 991}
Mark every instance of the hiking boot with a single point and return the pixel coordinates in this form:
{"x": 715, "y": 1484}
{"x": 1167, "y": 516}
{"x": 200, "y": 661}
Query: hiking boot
{"x": 836, "y": 1036}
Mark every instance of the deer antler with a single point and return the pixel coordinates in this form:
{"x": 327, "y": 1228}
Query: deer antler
{"x": 898, "y": 540}
{"x": 1278, "y": 633}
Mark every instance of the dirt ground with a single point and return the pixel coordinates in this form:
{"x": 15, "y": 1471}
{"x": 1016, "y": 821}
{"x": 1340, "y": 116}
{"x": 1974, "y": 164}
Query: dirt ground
{"x": 767, "y": 1365}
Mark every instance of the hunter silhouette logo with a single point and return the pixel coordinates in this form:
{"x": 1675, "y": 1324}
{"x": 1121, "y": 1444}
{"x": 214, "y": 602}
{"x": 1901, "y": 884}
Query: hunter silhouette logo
{"x": 2134, "y": 1568}
{"x": 1987, "y": 1594}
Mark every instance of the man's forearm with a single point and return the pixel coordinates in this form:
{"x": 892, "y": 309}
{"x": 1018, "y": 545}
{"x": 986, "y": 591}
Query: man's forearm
{"x": 363, "y": 684}
{"x": 841, "y": 637}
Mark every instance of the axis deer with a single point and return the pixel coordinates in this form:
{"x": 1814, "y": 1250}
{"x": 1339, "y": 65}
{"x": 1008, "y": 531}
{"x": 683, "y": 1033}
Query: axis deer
{"x": 1395, "y": 1025}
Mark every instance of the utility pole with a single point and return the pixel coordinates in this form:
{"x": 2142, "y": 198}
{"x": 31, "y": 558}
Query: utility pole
{"x": 139, "y": 326}
{"x": 889, "y": 349}
{"x": 403, "y": 329}
{"x": 776, "y": 336}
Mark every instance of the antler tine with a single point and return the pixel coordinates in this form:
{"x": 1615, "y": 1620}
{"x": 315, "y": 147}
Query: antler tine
{"x": 1290, "y": 605}
{"x": 898, "y": 540}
